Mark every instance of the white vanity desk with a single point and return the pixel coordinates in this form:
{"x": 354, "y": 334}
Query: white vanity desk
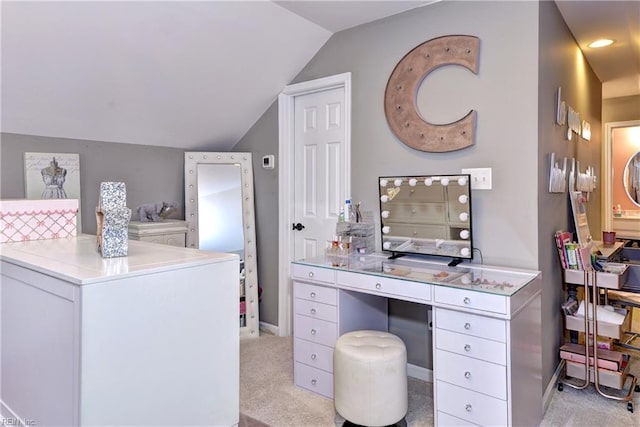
{"x": 487, "y": 367}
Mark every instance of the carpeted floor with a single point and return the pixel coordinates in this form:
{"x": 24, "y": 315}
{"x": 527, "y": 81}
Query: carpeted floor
{"x": 269, "y": 397}
{"x": 247, "y": 421}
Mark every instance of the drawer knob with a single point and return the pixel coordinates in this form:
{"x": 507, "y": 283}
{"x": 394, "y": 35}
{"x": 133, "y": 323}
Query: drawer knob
{"x": 313, "y": 311}
{"x": 313, "y": 357}
{"x": 378, "y": 286}
{"x": 467, "y": 325}
{"x": 313, "y": 382}
{"x": 466, "y": 300}
{"x": 313, "y": 294}
{"x": 313, "y": 332}
{"x": 467, "y": 374}
{"x": 467, "y": 347}
{"x": 311, "y": 274}
{"x": 468, "y": 407}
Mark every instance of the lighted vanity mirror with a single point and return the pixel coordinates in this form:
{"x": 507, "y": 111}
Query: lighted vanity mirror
{"x": 219, "y": 207}
{"x": 426, "y": 215}
{"x": 632, "y": 178}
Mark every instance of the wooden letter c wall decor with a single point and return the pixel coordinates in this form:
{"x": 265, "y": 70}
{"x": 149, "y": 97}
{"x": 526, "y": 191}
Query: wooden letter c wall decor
{"x": 402, "y": 88}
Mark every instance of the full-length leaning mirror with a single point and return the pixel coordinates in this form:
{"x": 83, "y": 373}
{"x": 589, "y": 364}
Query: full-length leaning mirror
{"x": 219, "y": 207}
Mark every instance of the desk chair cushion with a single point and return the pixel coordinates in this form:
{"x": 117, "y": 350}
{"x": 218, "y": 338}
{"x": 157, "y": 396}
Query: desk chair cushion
{"x": 370, "y": 378}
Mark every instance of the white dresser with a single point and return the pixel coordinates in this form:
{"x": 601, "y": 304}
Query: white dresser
{"x": 166, "y": 232}
{"x": 147, "y": 339}
{"x": 487, "y": 365}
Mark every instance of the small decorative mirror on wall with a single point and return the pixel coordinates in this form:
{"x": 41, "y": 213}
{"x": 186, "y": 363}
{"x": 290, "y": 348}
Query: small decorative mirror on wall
{"x": 632, "y": 178}
{"x": 219, "y": 207}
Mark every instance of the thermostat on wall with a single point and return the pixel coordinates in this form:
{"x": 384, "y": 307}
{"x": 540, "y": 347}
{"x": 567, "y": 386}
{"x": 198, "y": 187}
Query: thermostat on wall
{"x": 268, "y": 162}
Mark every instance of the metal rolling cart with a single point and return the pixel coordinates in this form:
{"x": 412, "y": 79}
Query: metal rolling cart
{"x": 596, "y": 284}
{"x": 628, "y": 296}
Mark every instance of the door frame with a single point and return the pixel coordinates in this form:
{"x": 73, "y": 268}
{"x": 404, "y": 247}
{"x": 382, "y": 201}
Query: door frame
{"x": 286, "y": 123}
{"x": 607, "y": 175}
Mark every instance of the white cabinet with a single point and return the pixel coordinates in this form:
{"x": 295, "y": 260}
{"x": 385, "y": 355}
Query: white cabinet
{"x": 321, "y": 315}
{"x": 166, "y": 232}
{"x": 470, "y": 366}
{"x": 315, "y": 332}
{"x": 147, "y": 339}
{"x": 487, "y": 364}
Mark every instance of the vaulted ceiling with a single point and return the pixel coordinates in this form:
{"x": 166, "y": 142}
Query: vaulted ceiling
{"x": 192, "y": 75}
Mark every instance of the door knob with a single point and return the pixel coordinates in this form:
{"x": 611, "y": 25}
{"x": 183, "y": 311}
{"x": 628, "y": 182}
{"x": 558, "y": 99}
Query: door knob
{"x": 298, "y": 226}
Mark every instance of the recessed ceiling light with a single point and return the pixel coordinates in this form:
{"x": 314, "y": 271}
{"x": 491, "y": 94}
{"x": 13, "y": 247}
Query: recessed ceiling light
{"x": 601, "y": 43}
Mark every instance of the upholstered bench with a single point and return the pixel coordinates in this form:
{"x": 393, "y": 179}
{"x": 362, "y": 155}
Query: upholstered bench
{"x": 370, "y": 378}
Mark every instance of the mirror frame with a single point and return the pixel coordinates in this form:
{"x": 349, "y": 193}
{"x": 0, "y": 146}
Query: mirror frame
{"x": 191, "y": 161}
{"x": 431, "y": 245}
{"x": 607, "y": 181}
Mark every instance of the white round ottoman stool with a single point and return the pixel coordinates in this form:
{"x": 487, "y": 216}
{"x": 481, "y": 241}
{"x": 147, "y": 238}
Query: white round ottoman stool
{"x": 370, "y": 378}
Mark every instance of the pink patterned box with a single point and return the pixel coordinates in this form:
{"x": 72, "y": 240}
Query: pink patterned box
{"x": 23, "y": 220}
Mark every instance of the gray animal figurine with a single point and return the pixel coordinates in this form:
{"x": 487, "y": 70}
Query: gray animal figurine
{"x": 156, "y": 211}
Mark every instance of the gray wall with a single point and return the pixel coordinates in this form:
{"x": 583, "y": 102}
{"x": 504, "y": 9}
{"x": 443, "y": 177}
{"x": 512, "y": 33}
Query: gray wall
{"x": 262, "y": 139}
{"x": 560, "y": 65}
{"x": 621, "y": 109}
{"x": 504, "y": 93}
{"x": 151, "y": 174}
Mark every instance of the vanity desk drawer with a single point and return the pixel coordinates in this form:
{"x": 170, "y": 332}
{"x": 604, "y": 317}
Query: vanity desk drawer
{"x": 400, "y": 289}
{"x": 313, "y": 379}
{"x": 467, "y": 345}
{"x": 315, "y": 330}
{"x": 314, "y": 274}
{"x": 316, "y": 310}
{"x": 471, "y": 406}
{"x": 315, "y": 293}
{"x": 470, "y": 299}
{"x": 477, "y": 375}
{"x": 445, "y": 419}
{"x": 313, "y": 354}
{"x": 471, "y": 324}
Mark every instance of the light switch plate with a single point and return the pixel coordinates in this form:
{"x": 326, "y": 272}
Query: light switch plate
{"x": 480, "y": 178}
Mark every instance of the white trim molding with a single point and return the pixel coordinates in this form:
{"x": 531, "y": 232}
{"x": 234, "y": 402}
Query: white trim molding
{"x": 286, "y": 101}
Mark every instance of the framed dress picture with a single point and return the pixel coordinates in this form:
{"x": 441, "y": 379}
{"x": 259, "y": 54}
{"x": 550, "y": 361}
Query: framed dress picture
{"x": 52, "y": 176}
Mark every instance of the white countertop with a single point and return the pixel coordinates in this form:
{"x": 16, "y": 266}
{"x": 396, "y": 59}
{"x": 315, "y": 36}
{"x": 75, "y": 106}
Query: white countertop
{"x": 77, "y": 260}
{"x": 502, "y": 281}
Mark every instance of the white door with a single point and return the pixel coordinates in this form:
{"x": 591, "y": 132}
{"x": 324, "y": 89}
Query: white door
{"x": 314, "y": 175}
{"x": 319, "y": 171}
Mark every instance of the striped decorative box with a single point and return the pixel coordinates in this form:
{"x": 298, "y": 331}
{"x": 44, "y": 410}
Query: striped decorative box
{"x": 24, "y": 220}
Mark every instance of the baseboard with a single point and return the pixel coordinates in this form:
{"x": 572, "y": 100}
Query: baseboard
{"x": 420, "y": 373}
{"x": 551, "y": 387}
{"x": 269, "y": 328}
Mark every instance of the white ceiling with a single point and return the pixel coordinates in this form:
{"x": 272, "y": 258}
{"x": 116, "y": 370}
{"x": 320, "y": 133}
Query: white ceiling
{"x": 617, "y": 66}
{"x": 197, "y": 75}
